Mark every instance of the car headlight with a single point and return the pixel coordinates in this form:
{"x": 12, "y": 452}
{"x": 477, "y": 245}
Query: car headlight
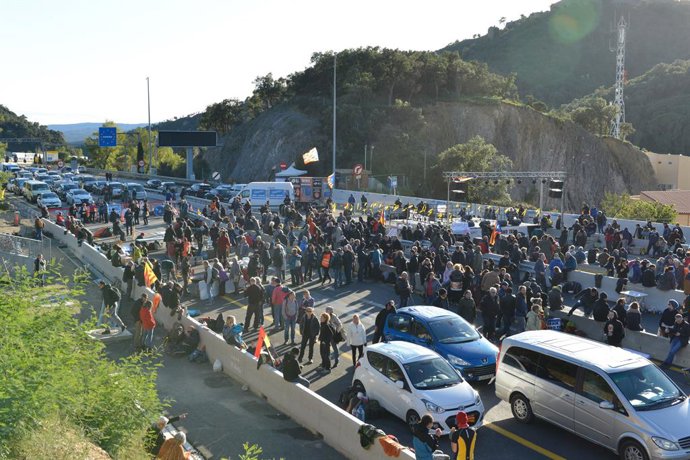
{"x": 433, "y": 407}
{"x": 663, "y": 443}
{"x": 455, "y": 361}
{"x": 477, "y": 399}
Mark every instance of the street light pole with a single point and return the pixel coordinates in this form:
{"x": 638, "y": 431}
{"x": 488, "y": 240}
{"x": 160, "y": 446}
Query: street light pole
{"x": 148, "y": 97}
{"x": 335, "y": 57}
{"x": 371, "y": 160}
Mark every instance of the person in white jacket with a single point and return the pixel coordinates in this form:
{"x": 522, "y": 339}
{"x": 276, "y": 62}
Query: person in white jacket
{"x": 356, "y": 337}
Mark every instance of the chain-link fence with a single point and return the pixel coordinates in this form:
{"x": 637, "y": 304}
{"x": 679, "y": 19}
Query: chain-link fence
{"x": 27, "y": 247}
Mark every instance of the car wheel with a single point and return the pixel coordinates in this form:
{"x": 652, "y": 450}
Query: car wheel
{"x": 521, "y": 409}
{"x": 632, "y": 450}
{"x": 412, "y": 418}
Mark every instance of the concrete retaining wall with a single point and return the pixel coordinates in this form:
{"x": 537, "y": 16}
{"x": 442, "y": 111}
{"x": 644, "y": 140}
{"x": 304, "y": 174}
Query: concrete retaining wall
{"x": 338, "y": 428}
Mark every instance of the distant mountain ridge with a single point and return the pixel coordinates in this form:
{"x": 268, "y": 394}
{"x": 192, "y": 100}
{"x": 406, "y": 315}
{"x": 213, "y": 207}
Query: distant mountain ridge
{"x": 75, "y": 133}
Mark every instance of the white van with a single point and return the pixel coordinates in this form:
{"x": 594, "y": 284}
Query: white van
{"x": 261, "y": 192}
{"x": 607, "y": 395}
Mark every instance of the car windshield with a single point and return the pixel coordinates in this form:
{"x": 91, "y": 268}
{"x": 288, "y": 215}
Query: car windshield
{"x": 453, "y": 329}
{"x": 49, "y": 196}
{"x": 79, "y": 191}
{"x": 647, "y": 387}
{"x": 432, "y": 373}
{"x": 136, "y": 187}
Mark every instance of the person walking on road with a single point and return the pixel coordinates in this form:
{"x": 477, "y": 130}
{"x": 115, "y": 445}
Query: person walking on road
{"x": 325, "y": 339}
{"x": 380, "y": 321}
{"x": 255, "y": 297}
{"x": 309, "y": 328}
{"x": 148, "y": 324}
{"x": 356, "y": 337}
{"x": 490, "y": 308}
{"x": 462, "y": 438}
{"x": 337, "y": 326}
{"x": 290, "y": 312}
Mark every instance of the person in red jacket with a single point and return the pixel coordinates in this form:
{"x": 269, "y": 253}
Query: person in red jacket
{"x": 148, "y": 324}
{"x": 223, "y": 246}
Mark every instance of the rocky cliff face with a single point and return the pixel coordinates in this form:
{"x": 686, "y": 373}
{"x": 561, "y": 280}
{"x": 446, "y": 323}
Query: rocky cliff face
{"x": 533, "y": 141}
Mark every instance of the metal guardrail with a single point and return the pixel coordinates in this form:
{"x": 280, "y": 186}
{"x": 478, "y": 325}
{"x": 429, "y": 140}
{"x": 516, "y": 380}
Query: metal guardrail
{"x": 143, "y": 177}
{"x": 27, "y": 247}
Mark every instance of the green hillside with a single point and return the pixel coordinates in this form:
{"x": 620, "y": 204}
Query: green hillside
{"x": 564, "y": 53}
{"x": 17, "y": 126}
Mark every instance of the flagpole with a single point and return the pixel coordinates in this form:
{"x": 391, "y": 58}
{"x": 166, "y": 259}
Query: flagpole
{"x": 335, "y": 57}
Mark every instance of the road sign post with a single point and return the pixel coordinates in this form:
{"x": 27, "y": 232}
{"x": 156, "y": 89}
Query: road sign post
{"x": 107, "y": 136}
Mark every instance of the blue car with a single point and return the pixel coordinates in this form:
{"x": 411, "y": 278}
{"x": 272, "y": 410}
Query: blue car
{"x": 449, "y": 335}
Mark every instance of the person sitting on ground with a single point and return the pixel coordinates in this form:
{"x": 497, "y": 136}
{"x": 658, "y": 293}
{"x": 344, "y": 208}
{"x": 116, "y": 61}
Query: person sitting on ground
{"x": 649, "y": 276}
{"x": 232, "y": 332}
{"x": 155, "y": 437}
{"x": 667, "y": 281}
{"x": 667, "y": 319}
{"x": 292, "y": 370}
{"x": 173, "y": 448}
{"x": 425, "y": 443}
{"x": 634, "y": 317}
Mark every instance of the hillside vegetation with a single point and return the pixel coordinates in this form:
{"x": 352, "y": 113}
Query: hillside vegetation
{"x": 564, "y": 53}
{"x": 17, "y": 126}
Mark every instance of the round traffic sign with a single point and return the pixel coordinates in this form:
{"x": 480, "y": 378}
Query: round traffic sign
{"x": 357, "y": 169}
{"x": 283, "y": 165}
{"x": 215, "y": 176}
{"x": 141, "y": 162}
{"x": 60, "y": 164}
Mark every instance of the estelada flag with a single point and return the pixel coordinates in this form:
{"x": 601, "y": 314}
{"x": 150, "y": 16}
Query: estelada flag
{"x": 263, "y": 339}
{"x": 149, "y": 276}
{"x": 312, "y": 156}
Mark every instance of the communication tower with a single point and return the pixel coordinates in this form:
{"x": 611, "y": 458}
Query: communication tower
{"x": 618, "y": 101}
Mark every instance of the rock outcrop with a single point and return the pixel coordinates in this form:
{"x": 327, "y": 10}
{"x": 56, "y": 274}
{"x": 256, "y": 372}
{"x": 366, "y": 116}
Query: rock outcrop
{"x": 533, "y": 141}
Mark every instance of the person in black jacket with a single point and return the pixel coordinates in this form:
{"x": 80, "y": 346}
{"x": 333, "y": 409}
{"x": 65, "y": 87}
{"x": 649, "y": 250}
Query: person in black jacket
{"x": 601, "y": 309}
{"x": 309, "y": 328}
{"x": 292, "y": 369}
{"x": 667, "y": 319}
{"x": 613, "y": 329}
{"x": 649, "y": 276}
{"x": 619, "y": 308}
{"x": 326, "y": 334}
{"x": 424, "y": 442}
{"x": 507, "y": 305}
{"x": 380, "y": 321}
{"x": 679, "y": 334}
{"x": 255, "y": 298}
{"x": 585, "y": 299}
{"x": 634, "y": 317}
{"x": 490, "y": 308}
{"x": 403, "y": 289}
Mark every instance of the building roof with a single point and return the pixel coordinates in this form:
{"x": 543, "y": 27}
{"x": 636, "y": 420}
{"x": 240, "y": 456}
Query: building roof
{"x": 680, "y": 199}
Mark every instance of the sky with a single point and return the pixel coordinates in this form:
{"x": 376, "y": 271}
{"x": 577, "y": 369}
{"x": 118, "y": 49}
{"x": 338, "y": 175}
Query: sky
{"x": 70, "y": 61}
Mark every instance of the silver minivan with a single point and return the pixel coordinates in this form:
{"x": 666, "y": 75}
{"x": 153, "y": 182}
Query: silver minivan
{"x": 608, "y": 395}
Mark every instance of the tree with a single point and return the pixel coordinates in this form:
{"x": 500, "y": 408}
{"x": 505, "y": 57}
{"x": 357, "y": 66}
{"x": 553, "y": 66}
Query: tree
{"x": 624, "y": 207}
{"x": 222, "y": 116}
{"x": 66, "y": 375}
{"x": 592, "y": 113}
{"x": 476, "y": 155}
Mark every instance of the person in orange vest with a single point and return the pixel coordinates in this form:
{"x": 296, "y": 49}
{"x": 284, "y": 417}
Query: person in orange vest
{"x": 326, "y": 258}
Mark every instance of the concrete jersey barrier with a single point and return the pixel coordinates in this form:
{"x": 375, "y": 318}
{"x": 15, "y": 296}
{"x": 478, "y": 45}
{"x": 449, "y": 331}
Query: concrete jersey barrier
{"x": 337, "y": 427}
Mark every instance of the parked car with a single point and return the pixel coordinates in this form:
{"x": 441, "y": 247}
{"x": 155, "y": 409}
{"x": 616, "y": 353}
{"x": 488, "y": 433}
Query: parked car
{"x": 32, "y": 188}
{"x": 223, "y": 194}
{"x": 607, "y": 395}
{"x": 133, "y": 186}
{"x": 153, "y": 183}
{"x": 49, "y": 200}
{"x": 64, "y": 189}
{"x": 79, "y": 196}
{"x": 409, "y": 381}
{"x": 199, "y": 189}
{"x": 449, "y": 335}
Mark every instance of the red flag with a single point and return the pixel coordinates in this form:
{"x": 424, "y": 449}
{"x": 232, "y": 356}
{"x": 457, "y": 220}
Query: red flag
{"x": 260, "y": 342}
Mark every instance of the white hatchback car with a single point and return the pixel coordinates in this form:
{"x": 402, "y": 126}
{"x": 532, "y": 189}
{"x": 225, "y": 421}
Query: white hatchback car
{"x": 409, "y": 380}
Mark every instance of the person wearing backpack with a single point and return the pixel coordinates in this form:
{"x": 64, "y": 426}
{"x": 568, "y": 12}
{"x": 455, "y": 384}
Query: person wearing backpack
{"x": 111, "y": 305}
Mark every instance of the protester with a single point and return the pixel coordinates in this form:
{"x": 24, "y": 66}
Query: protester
{"x": 678, "y": 334}
{"x": 462, "y": 438}
{"x": 425, "y": 443}
{"x": 489, "y": 308}
{"x": 309, "y": 329}
{"x": 380, "y": 321}
{"x": 292, "y": 370}
{"x": 173, "y": 448}
{"x": 667, "y": 319}
{"x": 634, "y": 317}
{"x": 255, "y": 296}
{"x": 148, "y": 324}
{"x": 326, "y": 333}
{"x": 614, "y": 330}
{"x": 155, "y": 437}
{"x": 290, "y": 310}
{"x": 535, "y": 317}
{"x": 111, "y": 305}
{"x": 356, "y": 337}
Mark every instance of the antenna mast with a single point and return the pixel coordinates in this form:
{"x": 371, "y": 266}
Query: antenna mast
{"x": 618, "y": 101}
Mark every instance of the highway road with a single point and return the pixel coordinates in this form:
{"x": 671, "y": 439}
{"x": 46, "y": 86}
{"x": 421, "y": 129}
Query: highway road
{"x": 500, "y": 437}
